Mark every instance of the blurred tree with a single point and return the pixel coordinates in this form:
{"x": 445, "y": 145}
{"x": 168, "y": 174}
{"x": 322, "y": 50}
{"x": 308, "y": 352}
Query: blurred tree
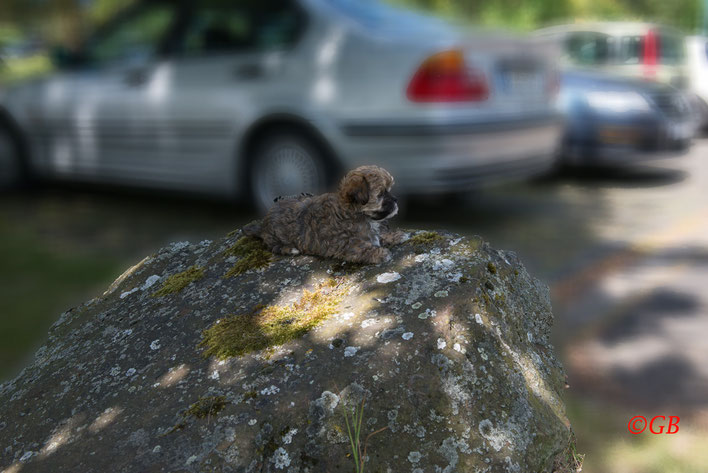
{"x": 530, "y": 14}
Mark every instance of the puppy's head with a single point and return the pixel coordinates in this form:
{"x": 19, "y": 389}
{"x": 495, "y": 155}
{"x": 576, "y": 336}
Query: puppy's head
{"x": 367, "y": 189}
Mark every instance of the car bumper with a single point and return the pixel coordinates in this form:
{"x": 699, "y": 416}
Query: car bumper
{"x": 617, "y": 144}
{"x": 459, "y": 156}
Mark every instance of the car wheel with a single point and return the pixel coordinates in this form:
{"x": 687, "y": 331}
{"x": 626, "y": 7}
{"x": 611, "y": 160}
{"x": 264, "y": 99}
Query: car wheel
{"x": 11, "y": 171}
{"x": 286, "y": 164}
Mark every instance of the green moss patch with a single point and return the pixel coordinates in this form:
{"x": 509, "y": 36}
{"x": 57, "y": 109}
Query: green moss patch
{"x": 253, "y": 254}
{"x": 423, "y": 240}
{"x": 237, "y": 335}
{"x": 205, "y": 407}
{"x": 491, "y": 268}
{"x": 179, "y": 281}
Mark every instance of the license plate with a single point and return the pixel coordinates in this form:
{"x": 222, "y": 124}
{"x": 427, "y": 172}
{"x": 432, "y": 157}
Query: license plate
{"x": 521, "y": 83}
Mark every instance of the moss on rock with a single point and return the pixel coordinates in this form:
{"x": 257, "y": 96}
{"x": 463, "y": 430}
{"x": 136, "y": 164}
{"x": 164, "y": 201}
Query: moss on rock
{"x": 423, "y": 240}
{"x": 179, "y": 281}
{"x": 253, "y": 254}
{"x": 208, "y": 406}
{"x": 272, "y": 325}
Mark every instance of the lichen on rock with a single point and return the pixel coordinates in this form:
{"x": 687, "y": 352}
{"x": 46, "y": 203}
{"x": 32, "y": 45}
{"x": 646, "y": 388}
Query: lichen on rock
{"x": 446, "y": 346}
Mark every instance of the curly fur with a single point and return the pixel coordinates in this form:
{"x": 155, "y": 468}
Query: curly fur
{"x": 349, "y": 224}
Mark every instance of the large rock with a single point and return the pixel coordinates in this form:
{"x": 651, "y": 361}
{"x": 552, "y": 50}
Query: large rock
{"x": 218, "y": 356}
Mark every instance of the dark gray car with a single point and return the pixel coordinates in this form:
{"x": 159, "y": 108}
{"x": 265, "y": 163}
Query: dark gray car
{"x": 613, "y": 120}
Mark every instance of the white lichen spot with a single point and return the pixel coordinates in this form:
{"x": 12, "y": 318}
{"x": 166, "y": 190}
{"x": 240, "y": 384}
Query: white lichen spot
{"x": 416, "y": 305}
{"x": 192, "y": 459}
{"x": 529, "y": 336}
{"x": 281, "y": 458}
{"x": 346, "y": 315}
{"x": 441, "y": 343}
{"x": 157, "y": 449}
{"x": 482, "y": 353}
{"x": 428, "y": 313}
{"x": 407, "y": 335}
{"x": 386, "y": 278}
{"x": 414, "y": 457}
{"x": 252, "y": 422}
{"x": 457, "y": 347}
{"x": 288, "y": 438}
{"x": 478, "y": 318}
{"x": 155, "y": 345}
{"x": 115, "y": 371}
{"x": 214, "y": 375}
{"x": 350, "y": 351}
{"x": 422, "y": 257}
{"x": 127, "y": 293}
{"x": 130, "y": 372}
{"x": 497, "y": 438}
{"x": 443, "y": 264}
{"x": 149, "y": 282}
{"x": 269, "y": 391}
{"x": 368, "y": 323}
{"x": 441, "y": 294}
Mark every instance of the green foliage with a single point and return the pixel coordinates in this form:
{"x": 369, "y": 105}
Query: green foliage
{"x": 532, "y": 14}
{"x": 354, "y": 433}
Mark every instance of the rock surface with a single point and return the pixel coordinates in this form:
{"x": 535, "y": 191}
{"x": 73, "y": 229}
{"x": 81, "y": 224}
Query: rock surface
{"x": 179, "y": 368}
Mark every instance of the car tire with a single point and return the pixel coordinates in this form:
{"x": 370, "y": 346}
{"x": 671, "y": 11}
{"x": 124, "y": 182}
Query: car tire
{"x": 284, "y": 164}
{"x": 13, "y": 172}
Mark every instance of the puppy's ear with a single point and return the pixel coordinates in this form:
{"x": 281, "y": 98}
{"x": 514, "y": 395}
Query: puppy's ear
{"x": 355, "y": 189}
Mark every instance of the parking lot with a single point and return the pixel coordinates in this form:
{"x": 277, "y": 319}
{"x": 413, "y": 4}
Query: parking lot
{"x": 624, "y": 252}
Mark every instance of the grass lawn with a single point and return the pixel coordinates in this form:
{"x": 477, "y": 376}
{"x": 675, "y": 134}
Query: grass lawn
{"x": 39, "y": 280}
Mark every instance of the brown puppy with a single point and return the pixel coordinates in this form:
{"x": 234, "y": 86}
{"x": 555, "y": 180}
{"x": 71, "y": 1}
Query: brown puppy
{"x": 349, "y": 225}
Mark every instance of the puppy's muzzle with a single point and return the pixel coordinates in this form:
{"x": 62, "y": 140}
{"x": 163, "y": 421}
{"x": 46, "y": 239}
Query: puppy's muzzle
{"x": 388, "y": 209}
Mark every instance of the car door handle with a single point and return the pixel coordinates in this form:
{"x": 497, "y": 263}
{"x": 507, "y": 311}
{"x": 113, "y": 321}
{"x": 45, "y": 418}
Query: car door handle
{"x": 249, "y": 71}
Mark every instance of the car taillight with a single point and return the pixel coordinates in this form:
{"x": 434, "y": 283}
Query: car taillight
{"x": 445, "y": 77}
{"x": 651, "y": 53}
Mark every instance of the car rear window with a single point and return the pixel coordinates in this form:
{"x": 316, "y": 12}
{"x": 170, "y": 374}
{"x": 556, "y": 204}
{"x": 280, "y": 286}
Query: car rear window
{"x": 670, "y": 48}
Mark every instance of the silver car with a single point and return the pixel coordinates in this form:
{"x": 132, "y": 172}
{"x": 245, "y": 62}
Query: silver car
{"x": 269, "y": 98}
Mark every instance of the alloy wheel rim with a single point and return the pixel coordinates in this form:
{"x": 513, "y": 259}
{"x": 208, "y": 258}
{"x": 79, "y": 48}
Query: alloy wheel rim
{"x": 286, "y": 169}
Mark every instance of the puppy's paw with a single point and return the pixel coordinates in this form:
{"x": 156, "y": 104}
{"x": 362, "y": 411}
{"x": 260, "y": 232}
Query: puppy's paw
{"x": 382, "y": 255}
{"x": 394, "y": 238}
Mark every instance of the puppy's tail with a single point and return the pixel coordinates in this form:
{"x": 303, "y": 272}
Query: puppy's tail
{"x": 253, "y": 229}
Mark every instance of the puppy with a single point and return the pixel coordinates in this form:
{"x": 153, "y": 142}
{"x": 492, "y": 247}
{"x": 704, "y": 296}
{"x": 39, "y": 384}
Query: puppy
{"x": 349, "y": 225}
